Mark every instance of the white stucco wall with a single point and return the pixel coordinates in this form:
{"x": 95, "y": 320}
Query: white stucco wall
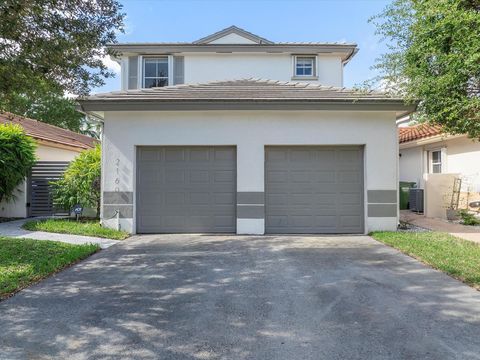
{"x": 250, "y": 131}
{"x": 18, "y": 207}
{"x": 232, "y": 39}
{"x": 410, "y": 165}
{"x": 48, "y": 153}
{"x": 201, "y": 68}
{"x": 462, "y": 157}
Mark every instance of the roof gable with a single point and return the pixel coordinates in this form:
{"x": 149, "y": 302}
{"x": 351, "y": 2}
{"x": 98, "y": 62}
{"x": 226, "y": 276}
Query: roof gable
{"x": 232, "y": 35}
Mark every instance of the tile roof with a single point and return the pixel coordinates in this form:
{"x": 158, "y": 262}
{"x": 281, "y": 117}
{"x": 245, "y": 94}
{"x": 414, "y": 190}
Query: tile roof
{"x": 244, "y": 89}
{"x": 42, "y": 131}
{"x": 239, "y": 31}
{"x": 416, "y": 132}
{"x": 277, "y": 44}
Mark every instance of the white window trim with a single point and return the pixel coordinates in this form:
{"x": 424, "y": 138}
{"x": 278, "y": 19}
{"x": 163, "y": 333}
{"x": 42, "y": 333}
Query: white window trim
{"x": 140, "y": 73}
{"x": 124, "y": 71}
{"x": 443, "y": 160}
{"x": 141, "y": 69}
{"x": 314, "y": 70}
{"x": 170, "y": 70}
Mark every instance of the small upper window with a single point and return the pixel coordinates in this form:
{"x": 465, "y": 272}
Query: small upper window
{"x": 436, "y": 162}
{"x": 305, "y": 66}
{"x": 155, "y": 72}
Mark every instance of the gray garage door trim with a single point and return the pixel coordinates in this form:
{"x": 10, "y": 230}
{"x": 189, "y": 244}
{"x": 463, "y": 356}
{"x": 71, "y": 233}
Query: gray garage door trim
{"x": 186, "y": 189}
{"x": 314, "y": 189}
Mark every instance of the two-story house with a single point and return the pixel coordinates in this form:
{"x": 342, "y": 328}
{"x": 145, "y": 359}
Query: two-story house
{"x": 236, "y": 133}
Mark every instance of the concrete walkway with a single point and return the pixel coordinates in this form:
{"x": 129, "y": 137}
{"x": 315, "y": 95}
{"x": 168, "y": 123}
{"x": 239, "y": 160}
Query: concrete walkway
{"x": 14, "y": 229}
{"x": 471, "y": 233}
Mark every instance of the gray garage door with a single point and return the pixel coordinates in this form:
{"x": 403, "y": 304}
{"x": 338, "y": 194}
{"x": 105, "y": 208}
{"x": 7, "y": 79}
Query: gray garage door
{"x": 314, "y": 189}
{"x": 186, "y": 189}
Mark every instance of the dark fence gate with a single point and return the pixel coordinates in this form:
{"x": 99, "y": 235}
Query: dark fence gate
{"x": 40, "y": 199}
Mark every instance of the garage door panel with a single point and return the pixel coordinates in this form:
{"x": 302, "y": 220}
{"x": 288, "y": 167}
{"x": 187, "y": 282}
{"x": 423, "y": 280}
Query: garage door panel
{"x": 174, "y": 155}
{"x": 201, "y": 198}
{"x": 327, "y": 157}
{"x": 199, "y": 176}
{"x": 353, "y": 221}
{"x": 301, "y": 155}
{"x": 301, "y": 220}
{"x": 300, "y": 176}
{"x": 225, "y": 176}
{"x": 225, "y": 221}
{"x": 314, "y": 189}
{"x": 275, "y": 155}
{"x": 324, "y": 177}
{"x": 300, "y": 199}
{"x": 174, "y": 198}
{"x": 350, "y": 199}
{"x": 224, "y": 198}
{"x": 273, "y": 177}
{"x": 225, "y": 155}
{"x": 175, "y": 176}
{"x": 199, "y": 221}
{"x": 349, "y": 177}
{"x": 200, "y": 154}
{"x": 186, "y": 189}
{"x": 149, "y": 155}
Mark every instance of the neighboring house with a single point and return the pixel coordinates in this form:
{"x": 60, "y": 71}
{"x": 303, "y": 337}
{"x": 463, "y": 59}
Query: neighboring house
{"x": 425, "y": 151}
{"x": 56, "y": 147}
{"x": 196, "y": 142}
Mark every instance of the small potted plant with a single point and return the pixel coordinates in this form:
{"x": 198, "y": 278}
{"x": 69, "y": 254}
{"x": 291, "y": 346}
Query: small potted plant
{"x": 453, "y": 214}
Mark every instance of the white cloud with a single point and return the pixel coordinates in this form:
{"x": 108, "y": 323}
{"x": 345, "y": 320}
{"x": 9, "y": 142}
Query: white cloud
{"x": 70, "y": 95}
{"x": 111, "y": 64}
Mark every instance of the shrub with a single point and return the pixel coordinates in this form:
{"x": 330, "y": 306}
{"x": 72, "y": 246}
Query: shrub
{"x": 80, "y": 183}
{"x": 468, "y": 218}
{"x": 17, "y": 156}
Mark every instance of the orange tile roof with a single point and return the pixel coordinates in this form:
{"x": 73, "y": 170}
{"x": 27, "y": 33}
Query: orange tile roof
{"x": 416, "y": 132}
{"x": 42, "y": 131}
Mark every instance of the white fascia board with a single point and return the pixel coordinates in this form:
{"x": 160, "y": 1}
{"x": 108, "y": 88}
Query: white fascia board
{"x": 430, "y": 140}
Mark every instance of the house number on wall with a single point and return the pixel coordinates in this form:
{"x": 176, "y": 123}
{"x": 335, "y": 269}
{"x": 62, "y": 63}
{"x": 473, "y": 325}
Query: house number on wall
{"x": 117, "y": 179}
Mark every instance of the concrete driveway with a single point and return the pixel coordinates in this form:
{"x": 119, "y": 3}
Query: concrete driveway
{"x": 240, "y": 297}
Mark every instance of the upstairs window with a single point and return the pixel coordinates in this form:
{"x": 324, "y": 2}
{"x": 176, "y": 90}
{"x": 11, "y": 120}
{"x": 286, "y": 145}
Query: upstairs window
{"x": 155, "y": 72}
{"x": 305, "y": 66}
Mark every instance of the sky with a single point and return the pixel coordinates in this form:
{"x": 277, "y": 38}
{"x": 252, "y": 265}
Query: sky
{"x": 276, "y": 20}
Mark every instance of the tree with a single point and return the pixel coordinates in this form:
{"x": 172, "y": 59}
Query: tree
{"x": 17, "y": 156}
{"x": 55, "y": 46}
{"x": 50, "y": 108}
{"x": 80, "y": 183}
{"x": 434, "y": 56}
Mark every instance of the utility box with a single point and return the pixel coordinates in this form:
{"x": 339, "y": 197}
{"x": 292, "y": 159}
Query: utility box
{"x": 415, "y": 200}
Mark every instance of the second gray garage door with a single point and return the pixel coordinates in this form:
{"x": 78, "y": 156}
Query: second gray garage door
{"x": 314, "y": 189}
{"x": 186, "y": 189}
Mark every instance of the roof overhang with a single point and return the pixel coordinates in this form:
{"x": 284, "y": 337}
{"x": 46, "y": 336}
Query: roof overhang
{"x": 247, "y": 104}
{"x": 346, "y": 51}
{"x": 429, "y": 140}
{"x": 57, "y": 145}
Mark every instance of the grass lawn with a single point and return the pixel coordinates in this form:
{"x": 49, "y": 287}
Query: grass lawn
{"x": 25, "y": 261}
{"x": 69, "y": 226}
{"x": 456, "y": 257}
